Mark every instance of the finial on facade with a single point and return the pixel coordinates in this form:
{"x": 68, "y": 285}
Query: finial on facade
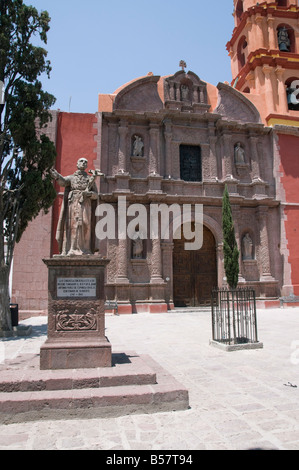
{"x": 183, "y": 65}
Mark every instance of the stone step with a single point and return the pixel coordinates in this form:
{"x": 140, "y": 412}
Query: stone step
{"x": 127, "y": 370}
{"x": 89, "y": 393}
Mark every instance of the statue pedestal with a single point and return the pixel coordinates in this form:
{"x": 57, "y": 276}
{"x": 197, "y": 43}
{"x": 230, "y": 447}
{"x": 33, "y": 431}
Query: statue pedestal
{"x": 76, "y": 314}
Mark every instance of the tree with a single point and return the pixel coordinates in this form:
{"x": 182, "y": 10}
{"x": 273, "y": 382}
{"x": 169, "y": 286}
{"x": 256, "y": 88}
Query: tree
{"x": 230, "y": 248}
{"x": 26, "y": 153}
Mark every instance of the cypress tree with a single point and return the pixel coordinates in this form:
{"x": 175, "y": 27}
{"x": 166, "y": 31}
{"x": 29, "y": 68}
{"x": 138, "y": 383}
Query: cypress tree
{"x": 230, "y": 248}
{"x": 26, "y": 153}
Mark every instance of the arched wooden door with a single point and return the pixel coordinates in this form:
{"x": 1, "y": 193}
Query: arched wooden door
{"x": 194, "y": 272}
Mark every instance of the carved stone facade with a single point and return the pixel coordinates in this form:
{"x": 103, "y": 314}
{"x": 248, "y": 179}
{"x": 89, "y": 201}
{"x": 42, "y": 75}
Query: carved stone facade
{"x": 172, "y": 140}
{"x": 189, "y": 146}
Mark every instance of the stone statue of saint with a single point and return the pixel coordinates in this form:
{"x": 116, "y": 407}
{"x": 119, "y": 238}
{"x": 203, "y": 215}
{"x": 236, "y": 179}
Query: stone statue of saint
{"x": 239, "y": 154}
{"x": 247, "y": 247}
{"x": 74, "y": 226}
{"x": 137, "y": 246}
{"x": 138, "y": 147}
{"x": 185, "y": 92}
{"x": 284, "y": 42}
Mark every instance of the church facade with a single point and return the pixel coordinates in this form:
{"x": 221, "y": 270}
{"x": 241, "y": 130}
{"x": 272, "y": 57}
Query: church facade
{"x": 177, "y": 141}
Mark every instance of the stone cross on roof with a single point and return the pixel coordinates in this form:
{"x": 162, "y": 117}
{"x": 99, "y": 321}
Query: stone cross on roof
{"x": 183, "y": 65}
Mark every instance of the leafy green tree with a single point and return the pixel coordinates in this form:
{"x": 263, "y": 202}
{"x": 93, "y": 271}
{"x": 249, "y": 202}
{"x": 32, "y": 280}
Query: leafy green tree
{"x": 230, "y": 248}
{"x": 26, "y": 153}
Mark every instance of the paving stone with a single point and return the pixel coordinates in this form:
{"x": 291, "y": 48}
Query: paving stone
{"x": 237, "y": 399}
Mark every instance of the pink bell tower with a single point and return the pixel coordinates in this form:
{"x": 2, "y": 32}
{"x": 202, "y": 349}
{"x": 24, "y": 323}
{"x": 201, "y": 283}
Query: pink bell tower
{"x": 264, "y": 52}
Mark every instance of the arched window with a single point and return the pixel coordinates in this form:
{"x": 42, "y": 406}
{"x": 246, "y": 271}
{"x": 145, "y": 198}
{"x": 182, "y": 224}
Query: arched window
{"x": 286, "y": 38}
{"x": 239, "y": 11}
{"x": 292, "y": 90}
{"x": 282, "y": 3}
{"x": 241, "y": 52}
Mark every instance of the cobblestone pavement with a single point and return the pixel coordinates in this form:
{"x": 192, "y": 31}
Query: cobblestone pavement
{"x": 238, "y": 400}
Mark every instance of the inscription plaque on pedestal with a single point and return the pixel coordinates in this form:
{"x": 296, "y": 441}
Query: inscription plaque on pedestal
{"x": 76, "y": 314}
{"x": 76, "y": 287}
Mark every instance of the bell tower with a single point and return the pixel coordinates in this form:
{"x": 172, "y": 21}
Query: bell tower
{"x": 264, "y": 52}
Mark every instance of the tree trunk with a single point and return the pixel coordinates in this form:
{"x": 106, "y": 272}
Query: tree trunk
{"x": 5, "y": 317}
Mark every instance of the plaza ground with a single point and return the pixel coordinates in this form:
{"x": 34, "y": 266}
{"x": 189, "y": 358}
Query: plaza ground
{"x": 245, "y": 399}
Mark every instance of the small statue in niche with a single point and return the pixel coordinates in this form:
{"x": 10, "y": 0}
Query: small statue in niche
{"x": 284, "y": 42}
{"x": 138, "y": 146}
{"x": 185, "y": 92}
{"x": 239, "y": 154}
{"x": 137, "y": 246}
{"x": 247, "y": 247}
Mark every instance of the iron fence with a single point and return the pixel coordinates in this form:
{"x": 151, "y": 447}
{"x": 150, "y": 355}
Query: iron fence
{"x": 234, "y": 316}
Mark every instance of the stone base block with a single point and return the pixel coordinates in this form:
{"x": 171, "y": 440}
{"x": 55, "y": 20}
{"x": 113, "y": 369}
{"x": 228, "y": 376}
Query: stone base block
{"x": 75, "y": 354}
{"x": 236, "y": 347}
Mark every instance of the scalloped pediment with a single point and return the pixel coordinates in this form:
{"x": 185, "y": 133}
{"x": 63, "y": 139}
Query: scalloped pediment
{"x": 140, "y": 96}
{"x": 234, "y": 106}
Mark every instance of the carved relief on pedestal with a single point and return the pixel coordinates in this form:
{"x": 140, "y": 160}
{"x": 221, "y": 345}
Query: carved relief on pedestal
{"x": 76, "y": 321}
{"x": 69, "y": 317}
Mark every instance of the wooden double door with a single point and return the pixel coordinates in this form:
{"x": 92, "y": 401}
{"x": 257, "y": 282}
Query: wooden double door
{"x": 194, "y": 272}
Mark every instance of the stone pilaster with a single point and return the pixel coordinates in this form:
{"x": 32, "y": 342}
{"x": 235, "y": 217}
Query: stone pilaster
{"x": 268, "y": 88}
{"x": 154, "y": 151}
{"x": 264, "y": 255}
{"x": 122, "y": 149}
{"x": 227, "y": 168}
{"x": 168, "y": 155}
{"x": 156, "y": 274}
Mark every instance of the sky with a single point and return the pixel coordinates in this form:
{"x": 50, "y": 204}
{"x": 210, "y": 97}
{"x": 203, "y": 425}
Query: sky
{"x": 96, "y": 46}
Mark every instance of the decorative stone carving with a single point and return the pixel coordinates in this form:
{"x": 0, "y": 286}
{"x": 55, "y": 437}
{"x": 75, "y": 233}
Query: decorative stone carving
{"x": 74, "y": 227}
{"x": 76, "y": 321}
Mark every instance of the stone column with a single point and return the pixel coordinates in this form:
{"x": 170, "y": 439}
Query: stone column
{"x": 177, "y": 92}
{"x": 172, "y": 92}
{"x": 282, "y": 94}
{"x": 259, "y": 32}
{"x": 205, "y": 162}
{"x": 268, "y": 89}
{"x": 122, "y": 149}
{"x": 264, "y": 255}
{"x": 156, "y": 275}
{"x": 272, "y": 33}
{"x": 255, "y": 166}
{"x": 122, "y": 266}
{"x": 167, "y": 271}
{"x": 168, "y": 139}
{"x": 153, "y": 151}
{"x": 195, "y": 94}
{"x": 213, "y": 155}
{"x": 227, "y": 168}
{"x": 201, "y": 94}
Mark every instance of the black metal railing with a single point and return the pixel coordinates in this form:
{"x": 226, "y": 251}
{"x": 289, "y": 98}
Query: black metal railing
{"x": 234, "y": 316}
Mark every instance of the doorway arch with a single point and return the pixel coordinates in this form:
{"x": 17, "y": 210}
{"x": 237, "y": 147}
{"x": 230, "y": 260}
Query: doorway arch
{"x": 194, "y": 272}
